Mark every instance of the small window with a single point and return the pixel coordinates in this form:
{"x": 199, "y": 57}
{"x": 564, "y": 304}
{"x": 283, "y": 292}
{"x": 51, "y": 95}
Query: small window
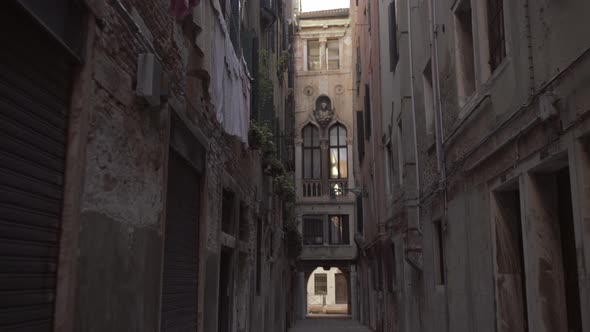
{"x": 439, "y": 253}
{"x": 392, "y": 270}
{"x": 496, "y": 33}
{"x": 367, "y": 112}
{"x": 313, "y": 231}
{"x": 393, "y": 51}
{"x": 313, "y": 55}
{"x": 311, "y": 152}
{"x": 464, "y": 51}
{"x": 428, "y": 99}
{"x": 333, "y": 54}
{"x": 360, "y": 135}
{"x": 389, "y": 168}
{"x": 339, "y": 230}
{"x": 400, "y": 152}
{"x": 338, "y": 153}
{"x": 358, "y": 68}
{"x": 359, "y": 214}
{"x": 320, "y": 281}
{"x": 227, "y": 213}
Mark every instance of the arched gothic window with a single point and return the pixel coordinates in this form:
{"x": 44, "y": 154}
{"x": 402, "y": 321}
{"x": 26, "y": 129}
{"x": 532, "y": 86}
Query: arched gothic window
{"x": 338, "y": 153}
{"x": 311, "y": 152}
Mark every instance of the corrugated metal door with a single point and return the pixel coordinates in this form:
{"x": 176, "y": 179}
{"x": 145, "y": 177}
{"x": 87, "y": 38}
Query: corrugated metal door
{"x": 179, "y": 293}
{"x": 35, "y": 83}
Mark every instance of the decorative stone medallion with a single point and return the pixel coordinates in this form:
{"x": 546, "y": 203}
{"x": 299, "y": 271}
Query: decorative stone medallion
{"x": 308, "y": 90}
{"x": 339, "y": 89}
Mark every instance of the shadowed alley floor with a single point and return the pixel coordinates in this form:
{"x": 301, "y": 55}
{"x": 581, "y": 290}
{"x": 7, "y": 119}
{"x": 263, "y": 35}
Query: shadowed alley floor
{"x": 329, "y": 325}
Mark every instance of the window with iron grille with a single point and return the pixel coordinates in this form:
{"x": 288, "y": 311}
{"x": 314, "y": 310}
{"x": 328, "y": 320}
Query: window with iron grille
{"x": 496, "y": 32}
{"x": 338, "y": 153}
{"x": 339, "y": 229}
{"x": 313, "y": 231}
{"x": 311, "y": 152}
{"x": 320, "y": 284}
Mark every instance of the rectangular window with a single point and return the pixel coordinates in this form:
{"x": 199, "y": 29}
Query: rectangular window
{"x": 258, "y": 255}
{"x": 320, "y": 281}
{"x": 465, "y": 52}
{"x": 339, "y": 230}
{"x": 358, "y": 68}
{"x": 244, "y": 222}
{"x": 333, "y": 54}
{"x": 428, "y": 99}
{"x": 389, "y": 168}
{"x": 360, "y": 134}
{"x": 359, "y": 214}
{"x": 392, "y": 270}
{"x": 313, "y": 231}
{"x": 439, "y": 253}
{"x": 227, "y": 213}
{"x": 367, "y": 112}
{"x": 313, "y": 55}
{"x": 393, "y": 51}
{"x": 496, "y": 32}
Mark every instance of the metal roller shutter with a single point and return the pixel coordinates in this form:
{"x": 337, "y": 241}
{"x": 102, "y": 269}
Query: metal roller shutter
{"x": 35, "y": 83}
{"x": 179, "y": 291}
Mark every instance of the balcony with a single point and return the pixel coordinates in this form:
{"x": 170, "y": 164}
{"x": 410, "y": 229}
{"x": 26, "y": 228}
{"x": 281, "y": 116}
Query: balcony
{"x": 337, "y": 187}
{"x": 312, "y": 188}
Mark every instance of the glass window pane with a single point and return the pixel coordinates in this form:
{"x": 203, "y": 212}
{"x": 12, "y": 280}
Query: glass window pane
{"x": 313, "y": 55}
{"x": 307, "y": 136}
{"x": 343, "y": 163}
{"x": 341, "y": 136}
{"x": 316, "y": 163}
{"x": 333, "y": 54}
{"x": 334, "y": 136}
{"x": 334, "y": 163}
{"x": 307, "y": 162}
{"x": 335, "y": 230}
{"x": 315, "y": 136}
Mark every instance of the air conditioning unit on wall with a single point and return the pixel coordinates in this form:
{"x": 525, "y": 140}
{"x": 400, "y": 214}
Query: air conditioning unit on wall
{"x": 149, "y": 78}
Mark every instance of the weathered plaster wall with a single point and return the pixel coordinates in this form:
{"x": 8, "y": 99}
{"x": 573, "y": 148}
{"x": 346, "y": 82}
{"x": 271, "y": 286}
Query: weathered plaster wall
{"x": 124, "y": 180}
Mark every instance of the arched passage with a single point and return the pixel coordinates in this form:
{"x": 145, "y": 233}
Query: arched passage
{"x": 327, "y": 291}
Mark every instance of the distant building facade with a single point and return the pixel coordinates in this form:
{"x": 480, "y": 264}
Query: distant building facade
{"x": 323, "y": 143}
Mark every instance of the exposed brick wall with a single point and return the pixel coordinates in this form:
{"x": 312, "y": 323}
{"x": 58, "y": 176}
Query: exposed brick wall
{"x": 125, "y": 179}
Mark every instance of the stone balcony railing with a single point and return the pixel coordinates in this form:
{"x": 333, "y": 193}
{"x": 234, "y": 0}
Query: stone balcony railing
{"x": 339, "y": 185}
{"x": 317, "y": 188}
{"x": 312, "y": 188}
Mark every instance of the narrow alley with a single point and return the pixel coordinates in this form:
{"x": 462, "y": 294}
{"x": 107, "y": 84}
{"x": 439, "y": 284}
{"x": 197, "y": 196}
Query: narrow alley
{"x": 295, "y": 166}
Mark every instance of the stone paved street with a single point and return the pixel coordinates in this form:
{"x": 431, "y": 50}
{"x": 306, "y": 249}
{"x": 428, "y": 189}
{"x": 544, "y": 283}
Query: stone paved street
{"x": 329, "y": 325}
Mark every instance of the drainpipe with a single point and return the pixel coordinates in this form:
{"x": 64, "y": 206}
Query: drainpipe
{"x": 440, "y": 153}
{"x": 407, "y": 268}
{"x": 439, "y": 127}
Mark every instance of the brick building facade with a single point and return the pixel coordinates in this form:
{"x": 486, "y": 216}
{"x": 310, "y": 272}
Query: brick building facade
{"x": 149, "y": 213}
